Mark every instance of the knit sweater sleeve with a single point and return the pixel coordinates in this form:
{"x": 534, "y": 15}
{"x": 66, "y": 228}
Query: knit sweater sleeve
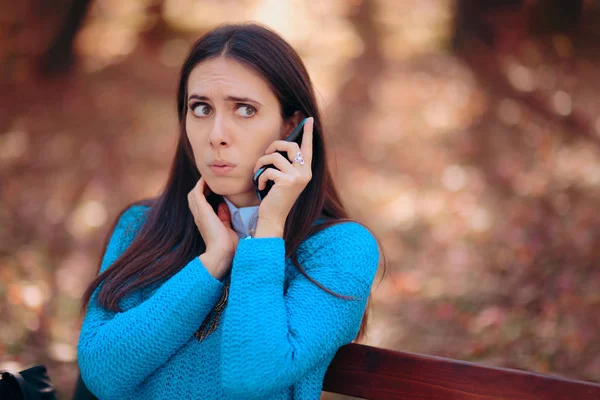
{"x": 117, "y": 351}
{"x": 272, "y": 338}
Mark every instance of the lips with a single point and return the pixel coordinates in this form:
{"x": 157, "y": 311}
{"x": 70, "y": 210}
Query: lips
{"x": 220, "y": 167}
{"x": 220, "y": 163}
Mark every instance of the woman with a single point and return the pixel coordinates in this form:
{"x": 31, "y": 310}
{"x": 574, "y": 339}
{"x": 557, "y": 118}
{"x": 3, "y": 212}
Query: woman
{"x": 207, "y": 292}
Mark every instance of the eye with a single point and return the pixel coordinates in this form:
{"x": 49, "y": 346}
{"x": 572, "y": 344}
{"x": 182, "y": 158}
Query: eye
{"x": 245, "y": 110}
{"x": 201, "y": 109}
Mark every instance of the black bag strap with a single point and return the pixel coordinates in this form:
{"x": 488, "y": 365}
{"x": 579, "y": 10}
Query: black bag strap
{"x": 30, "y": 384}
{"x": 9, "y": 387}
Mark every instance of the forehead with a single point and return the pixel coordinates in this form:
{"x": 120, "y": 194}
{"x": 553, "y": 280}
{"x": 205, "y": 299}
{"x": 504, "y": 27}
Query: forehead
{"x": 225, "y": 76}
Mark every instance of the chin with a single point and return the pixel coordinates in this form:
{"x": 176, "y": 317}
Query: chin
{"x": 227, "y": 186}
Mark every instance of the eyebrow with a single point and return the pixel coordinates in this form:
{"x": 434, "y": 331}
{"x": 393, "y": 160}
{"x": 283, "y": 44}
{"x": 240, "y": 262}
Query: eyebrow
{"x": 227, "y": 98}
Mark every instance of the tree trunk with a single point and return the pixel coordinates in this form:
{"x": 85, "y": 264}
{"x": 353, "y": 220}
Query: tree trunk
{"x": 60, "y": 56}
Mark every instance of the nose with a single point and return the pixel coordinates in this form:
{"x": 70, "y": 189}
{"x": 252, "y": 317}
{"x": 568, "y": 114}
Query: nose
{"x": 218, "y": 135}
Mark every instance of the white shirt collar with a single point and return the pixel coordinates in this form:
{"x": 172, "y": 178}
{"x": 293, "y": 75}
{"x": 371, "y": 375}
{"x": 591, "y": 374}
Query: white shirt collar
{"x": 243, "y": 219}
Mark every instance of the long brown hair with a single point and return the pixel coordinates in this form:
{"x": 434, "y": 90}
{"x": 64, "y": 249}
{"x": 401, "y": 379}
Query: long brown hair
{"x": 151, "y": 258}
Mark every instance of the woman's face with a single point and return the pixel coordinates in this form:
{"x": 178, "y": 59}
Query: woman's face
{"x": 232, "y": 117}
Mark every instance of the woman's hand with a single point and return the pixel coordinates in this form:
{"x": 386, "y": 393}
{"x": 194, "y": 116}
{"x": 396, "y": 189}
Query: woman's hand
{"x": 289, "y": 181}
{"x": 220, "y": 239}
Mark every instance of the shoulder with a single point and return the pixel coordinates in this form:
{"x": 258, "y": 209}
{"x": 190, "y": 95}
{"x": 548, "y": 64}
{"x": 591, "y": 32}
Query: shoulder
{"x": 132, "y": 218}
{"x": 133, "y": 212}
{"x": 345, "y": 255}
{"x": 343, "y": 239}
{"x": 132, "y": 215}
{"x": 343, "y": 233}
{"x": 128, "y": 224}
{"x": 344, "y": 229}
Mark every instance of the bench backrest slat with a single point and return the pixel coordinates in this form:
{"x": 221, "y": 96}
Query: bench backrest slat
{"x": 373, "y": 373}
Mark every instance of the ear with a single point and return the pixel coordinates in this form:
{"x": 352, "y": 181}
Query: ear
{"x": 290, "y": 123}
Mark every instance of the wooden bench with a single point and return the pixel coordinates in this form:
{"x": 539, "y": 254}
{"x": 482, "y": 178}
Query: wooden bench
{"x": 373, "y": 373}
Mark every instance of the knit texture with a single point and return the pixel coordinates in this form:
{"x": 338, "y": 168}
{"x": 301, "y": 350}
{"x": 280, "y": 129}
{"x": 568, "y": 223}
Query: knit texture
{"x": 277, "y": 335}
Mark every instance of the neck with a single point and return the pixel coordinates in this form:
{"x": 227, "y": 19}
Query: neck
{"x": 247, "y": 199}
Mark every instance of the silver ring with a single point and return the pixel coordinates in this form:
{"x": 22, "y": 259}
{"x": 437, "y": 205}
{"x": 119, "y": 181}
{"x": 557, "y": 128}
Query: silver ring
{"x": 299, "y": 158}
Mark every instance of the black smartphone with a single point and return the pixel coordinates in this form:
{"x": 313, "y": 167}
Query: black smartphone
{"x": 295, "y": 136}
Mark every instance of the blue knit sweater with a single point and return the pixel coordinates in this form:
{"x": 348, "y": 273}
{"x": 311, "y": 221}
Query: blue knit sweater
{"x": 276, "y": 336}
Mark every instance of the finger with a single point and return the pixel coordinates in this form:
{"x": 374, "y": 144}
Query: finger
{"x": 276, "y": 159}
{"x": 202, "y": 206}
{"x": 270, "y": 174}
{"x": 195, "y": 207}
{"x": 200, "y": 185}
{"x": 307, "y": 141}
{"x": 192, "y": 204}
{"x": 291, "y": 148}
{"x": 203, "y": 192}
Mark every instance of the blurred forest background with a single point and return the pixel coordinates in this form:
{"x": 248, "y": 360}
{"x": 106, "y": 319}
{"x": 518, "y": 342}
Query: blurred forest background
{"x": 466, "y": 134}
